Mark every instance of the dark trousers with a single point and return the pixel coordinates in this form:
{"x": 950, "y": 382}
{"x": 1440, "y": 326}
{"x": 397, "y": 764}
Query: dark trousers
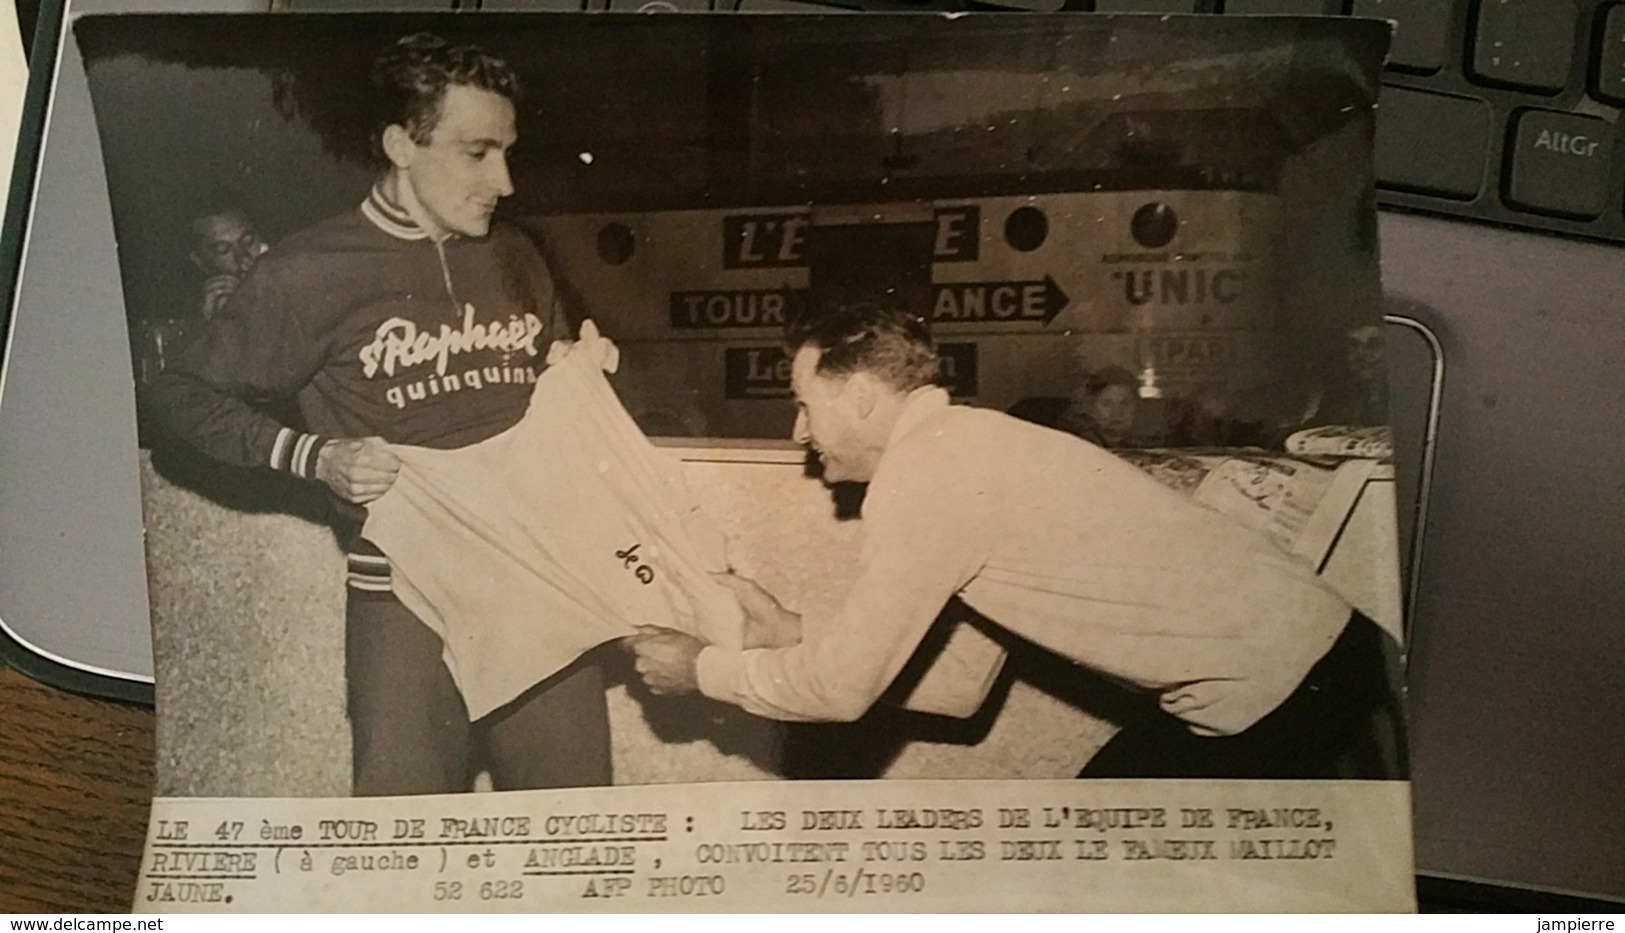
{"x": 411, "y": 730}
{"x": 1343, "y": 721}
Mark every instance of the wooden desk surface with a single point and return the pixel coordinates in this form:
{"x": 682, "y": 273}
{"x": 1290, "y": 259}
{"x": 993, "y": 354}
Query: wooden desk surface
{"x": 75, "y": 784}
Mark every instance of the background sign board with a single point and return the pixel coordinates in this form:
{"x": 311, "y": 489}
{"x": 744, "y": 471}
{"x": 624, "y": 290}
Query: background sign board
{"x": 1177, "y": 286}
{"x": 762, "y": 240}
{"x": 953, "y": 303}
{"x": 763, "y": 372}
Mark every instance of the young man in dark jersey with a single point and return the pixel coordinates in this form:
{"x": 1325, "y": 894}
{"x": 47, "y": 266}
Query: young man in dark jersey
{"x": 414, "y": 319}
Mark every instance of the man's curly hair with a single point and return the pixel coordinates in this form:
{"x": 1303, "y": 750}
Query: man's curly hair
{"x": 411, "y": 78}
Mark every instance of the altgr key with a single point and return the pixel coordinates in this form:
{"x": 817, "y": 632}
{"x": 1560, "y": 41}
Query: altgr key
{"x": 1560, "y": 164}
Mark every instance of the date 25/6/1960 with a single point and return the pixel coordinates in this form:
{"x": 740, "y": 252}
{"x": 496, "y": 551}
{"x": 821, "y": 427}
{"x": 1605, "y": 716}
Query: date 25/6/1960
{"x": 852, "y": 884}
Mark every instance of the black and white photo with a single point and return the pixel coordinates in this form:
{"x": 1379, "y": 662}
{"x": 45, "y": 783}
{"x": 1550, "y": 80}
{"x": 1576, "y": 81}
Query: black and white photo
{"x": 554, "y": 401}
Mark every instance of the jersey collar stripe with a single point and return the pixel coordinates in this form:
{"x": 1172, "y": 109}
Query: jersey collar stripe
{"x": 391, "y": 218}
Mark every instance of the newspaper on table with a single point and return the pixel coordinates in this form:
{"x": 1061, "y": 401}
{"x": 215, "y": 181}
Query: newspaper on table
{"x": 1164, "y": 216}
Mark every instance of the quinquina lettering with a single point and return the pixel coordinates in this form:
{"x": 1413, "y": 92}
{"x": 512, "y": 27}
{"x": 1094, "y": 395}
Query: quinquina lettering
{"x": 473, "y": 380}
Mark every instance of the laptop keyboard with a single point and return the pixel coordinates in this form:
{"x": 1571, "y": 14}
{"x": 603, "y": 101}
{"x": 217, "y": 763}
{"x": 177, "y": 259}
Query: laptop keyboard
{"x": 1504, "y": 111}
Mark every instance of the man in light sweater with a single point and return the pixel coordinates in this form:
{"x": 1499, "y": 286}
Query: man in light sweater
{"x": 1248, "y": 665}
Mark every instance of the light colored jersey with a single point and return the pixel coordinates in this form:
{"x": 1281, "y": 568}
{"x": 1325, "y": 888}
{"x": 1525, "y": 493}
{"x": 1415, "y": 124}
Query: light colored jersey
{"x": 555, "y": 536}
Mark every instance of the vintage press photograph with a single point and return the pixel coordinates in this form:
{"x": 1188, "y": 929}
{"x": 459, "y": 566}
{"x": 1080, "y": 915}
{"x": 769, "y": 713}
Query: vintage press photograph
{"x": 566, "y": 401}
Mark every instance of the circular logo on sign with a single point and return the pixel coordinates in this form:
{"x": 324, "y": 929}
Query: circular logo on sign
{"x": 616, "y": 243}
{"x": 1154, "y": 225}
{"x": 1026, "y": 228}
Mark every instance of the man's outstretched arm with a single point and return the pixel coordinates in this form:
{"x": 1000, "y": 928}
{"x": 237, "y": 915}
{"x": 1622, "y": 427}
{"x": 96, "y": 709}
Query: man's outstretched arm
{"x": 843, "y": 664}
{"x": 666, "y": 658}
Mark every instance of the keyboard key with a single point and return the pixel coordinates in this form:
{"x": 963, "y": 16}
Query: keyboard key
{"x": 323, "y": 6}
{"x": 1145, "y": 6}
{"x": 548, "y": 6}
{"x": 1285, "y": 7}
{"x": 1560, "y": 163}
{"x": 1431, "y": 143}
{"x": 785, "y": 6}
{"x": 1524, "y": 44}
{"x": 1610, "y": 76}
{"x": 1421, "y": 33}
{"x": 657, "y": 6}
{"x": 1031, "y": 6}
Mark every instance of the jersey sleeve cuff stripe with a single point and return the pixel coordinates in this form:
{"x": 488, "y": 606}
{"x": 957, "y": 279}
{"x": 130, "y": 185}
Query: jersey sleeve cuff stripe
{"x": 296, "y": 453}
{"x": 367, "y": 573}
{"x": 279, "y": 449}
{"x": 304, "y": 460}
{"x": 367, "y": 584}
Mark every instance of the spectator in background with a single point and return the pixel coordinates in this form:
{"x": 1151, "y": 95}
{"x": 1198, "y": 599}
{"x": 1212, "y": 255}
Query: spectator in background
{"x": 1354, "y": 390}
{"x": 1207, "y": 418}
{"x": 1104, "y": 410}
{"x": 225, "y": 246}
